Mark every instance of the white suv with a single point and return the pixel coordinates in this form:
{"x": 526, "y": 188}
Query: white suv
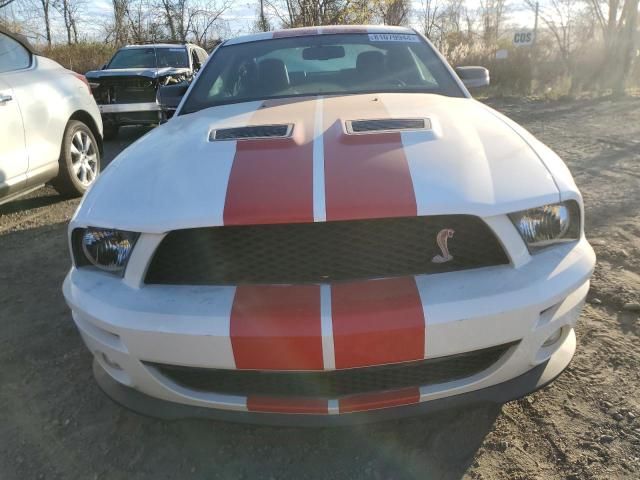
{"x": 50, "y": 126}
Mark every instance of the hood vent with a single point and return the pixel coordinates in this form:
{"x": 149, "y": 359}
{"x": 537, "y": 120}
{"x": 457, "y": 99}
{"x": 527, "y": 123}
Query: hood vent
{"x": 252, "y": 132}
{"x": 355, "y": 127}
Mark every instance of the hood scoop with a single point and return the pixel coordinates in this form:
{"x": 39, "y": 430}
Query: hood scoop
{"x": 385, "y": 125}
{"x": 251, "y": 132}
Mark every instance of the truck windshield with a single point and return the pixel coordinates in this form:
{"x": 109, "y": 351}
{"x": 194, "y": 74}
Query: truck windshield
{"x": 330, "y": 64}
{"x": 150, "y": 58}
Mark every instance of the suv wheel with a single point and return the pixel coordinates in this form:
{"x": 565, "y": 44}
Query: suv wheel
{"x": 79, "y": 160}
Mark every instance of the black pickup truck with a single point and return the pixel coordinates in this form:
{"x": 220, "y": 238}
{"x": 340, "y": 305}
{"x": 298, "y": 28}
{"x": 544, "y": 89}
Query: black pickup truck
{"x": 127, "y": 88}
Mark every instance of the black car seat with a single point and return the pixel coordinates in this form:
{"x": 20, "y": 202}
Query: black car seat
{"x": 273, "y": 76}
{"x": 370, "y": 66}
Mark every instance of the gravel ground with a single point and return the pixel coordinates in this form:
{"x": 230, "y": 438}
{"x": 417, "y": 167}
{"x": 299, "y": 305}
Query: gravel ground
{"x": 56, "y": 424}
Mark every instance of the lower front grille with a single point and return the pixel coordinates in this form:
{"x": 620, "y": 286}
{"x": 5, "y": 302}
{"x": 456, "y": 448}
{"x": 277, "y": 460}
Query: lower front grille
{"x": 125, "y": 90}
{"x": 324, "y": 252}
{"x": 337, "y": 383}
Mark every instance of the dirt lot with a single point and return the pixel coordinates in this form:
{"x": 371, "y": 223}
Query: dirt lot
{"x": 56, "y": 424}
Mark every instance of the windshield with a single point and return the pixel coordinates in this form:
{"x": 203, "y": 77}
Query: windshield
{"x": 150, "y": 58}
{"x": 320, "y": 65}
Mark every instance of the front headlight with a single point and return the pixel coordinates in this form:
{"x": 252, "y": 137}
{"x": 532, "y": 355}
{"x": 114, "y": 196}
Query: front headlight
{"x": 105, "y": 248}
{"x": 548, "y": 225}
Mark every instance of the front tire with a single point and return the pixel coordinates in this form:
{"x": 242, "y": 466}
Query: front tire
{"x": 79, "y": 160}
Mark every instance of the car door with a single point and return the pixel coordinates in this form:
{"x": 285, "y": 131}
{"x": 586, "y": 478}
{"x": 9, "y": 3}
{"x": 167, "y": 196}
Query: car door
{"x": 14, "y": 162}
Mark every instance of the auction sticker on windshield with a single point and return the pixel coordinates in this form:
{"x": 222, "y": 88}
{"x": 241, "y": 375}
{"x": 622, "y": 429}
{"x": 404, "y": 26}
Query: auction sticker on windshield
{"x": 392, "y": 37}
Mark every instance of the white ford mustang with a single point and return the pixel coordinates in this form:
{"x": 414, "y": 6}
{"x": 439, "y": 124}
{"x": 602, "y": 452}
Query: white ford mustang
{"x": 329, "y": 230}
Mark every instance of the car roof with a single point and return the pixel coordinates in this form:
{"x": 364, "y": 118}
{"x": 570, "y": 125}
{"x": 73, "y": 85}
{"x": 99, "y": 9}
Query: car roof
{"x": 324, "y": 30}
{"x": 20, "y": 39}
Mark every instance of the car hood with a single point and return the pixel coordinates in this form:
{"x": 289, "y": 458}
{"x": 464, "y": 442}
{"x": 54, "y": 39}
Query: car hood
{"x": 468, "y": 160}
{"x": 135, "y": 72}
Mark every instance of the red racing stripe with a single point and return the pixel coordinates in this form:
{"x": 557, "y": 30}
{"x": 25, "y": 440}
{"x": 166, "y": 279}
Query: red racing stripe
{"x": 377, "y": 322}
{"x": 277, "y": 327}
{"x": 257, "y": 403}
{"x": 366, "y": 176}
{"x": 372, "y": 401}
{"x": 271, "y": 181}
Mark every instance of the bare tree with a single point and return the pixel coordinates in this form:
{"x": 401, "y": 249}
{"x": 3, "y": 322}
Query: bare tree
{"x": 430, "y": 18}
{"x": 46, "y": 9}
{"x": 5, "y": 3}
{"x": 262, "y": 24}
{"x": 308, "y": 13}
{"x": 172, "y": 10}
{"x": 70, "y": 10}
{"x": 626, "y": 45}
{"x": 141, "y": 22}
{"x": 203, "y": 23}
{"x": 442, "y": 22}
{"x": 33, "y": 18}
{"x": 178, "y": 20}
{"x": 393, "y": 12}
{"x": 120, "y": 8}
{"x": 618, "y": 26}
{"x": 608, "y": 22}
{"x": 185, "y": 18}
{"x": 559, "y": 16}
{"x": 492, "y": 13}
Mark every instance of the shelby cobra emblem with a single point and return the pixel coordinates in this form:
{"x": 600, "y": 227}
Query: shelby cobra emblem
{"x": 443, "y": 237}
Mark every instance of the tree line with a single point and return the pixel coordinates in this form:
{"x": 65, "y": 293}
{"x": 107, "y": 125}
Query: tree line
{"x": 199, "y": 21}
{"x": 590, "y": 44}
{"x": 587, "y": 44}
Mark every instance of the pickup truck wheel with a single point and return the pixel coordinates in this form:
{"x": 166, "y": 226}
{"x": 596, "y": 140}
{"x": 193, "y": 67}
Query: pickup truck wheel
{"x": 110, "y": 131}
{"x": 79, "y": 160}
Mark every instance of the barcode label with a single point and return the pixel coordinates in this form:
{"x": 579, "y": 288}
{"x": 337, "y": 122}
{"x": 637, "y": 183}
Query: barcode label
{"x": 393, "y": 37}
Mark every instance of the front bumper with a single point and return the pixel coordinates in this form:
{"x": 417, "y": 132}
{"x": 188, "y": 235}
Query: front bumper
{"x": 134, "y": 113}
{"x": 130, "y": 107}
{"x": 127, "y": 325}
{"x": 517, "y": 387}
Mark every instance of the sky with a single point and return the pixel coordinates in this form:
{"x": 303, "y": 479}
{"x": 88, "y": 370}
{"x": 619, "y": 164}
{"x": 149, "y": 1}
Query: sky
{"x": 240, "y": 17}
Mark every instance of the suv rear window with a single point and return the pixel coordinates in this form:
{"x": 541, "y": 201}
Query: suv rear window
{"x": 320, "y": 65}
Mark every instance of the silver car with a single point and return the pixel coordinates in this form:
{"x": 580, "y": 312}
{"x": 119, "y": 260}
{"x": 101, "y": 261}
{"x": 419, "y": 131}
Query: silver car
{"x": 50, "y": 126}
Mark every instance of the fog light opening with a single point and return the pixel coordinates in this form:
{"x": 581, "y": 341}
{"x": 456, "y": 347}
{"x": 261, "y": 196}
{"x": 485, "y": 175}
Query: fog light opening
{"x": 553, "y": 338}
{"x": 109, "y": 362}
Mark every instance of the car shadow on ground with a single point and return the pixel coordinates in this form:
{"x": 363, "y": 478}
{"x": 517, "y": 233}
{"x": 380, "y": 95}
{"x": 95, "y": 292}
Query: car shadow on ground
{"x": 439, "y": 446}
{"x": 30, "y": 202}
{"x": 45, "y": 197}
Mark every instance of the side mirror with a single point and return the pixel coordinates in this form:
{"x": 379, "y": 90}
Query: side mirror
{"x": 170, "y": 95}
{"x": 473, "y": 77}
{"x": 103, "y": 67}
